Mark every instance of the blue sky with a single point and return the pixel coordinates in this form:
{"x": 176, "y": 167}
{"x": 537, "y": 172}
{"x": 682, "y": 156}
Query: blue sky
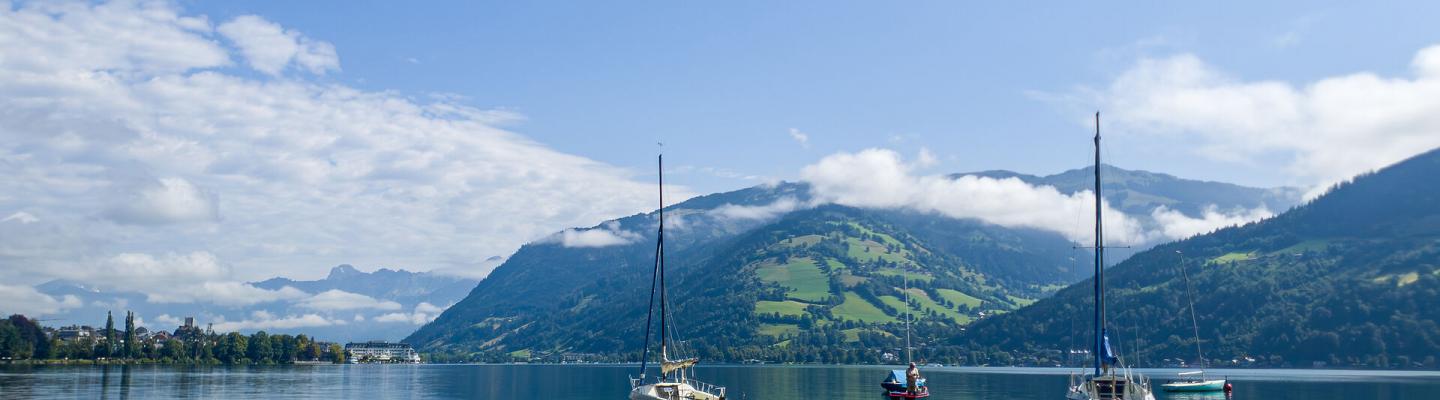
{"x": 723, "y": 83}
{"x": 182, "y": 149}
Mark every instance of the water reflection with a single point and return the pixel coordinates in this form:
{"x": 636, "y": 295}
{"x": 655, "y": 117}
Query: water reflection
{"x": 609, "y": 383}
{"x": 1197, "y": 396}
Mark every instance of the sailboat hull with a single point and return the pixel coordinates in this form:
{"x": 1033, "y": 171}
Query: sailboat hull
{"x": 1112, "y": 387}
{"x": 670, "y": 391}
{"x": 1215, "y": 385}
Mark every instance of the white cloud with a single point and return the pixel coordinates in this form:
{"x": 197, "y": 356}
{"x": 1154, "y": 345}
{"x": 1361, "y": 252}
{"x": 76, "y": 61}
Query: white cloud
{"x": 168, "y": 200}
{"x": 20, "y": 299}
{"x": 261, "y": 320}
{"x": 473, "y": 270}
{"x": 800, "y": 137}
{"x": 1320, "y": 132}
{"x": 424, "y": 312}
{"x": 166, "y": 321}
{"x": 428, "y": 308}
{"x": 339, "y": 300}
{"x": 926, "y": 159}
{"x": 878, "y": 178}
{"x": 127, "y": 38}
{"x": 21, "y": 217}
{"x": 120, "y": 109}
{"x": 269, "y": 48}
{"x": 1176, "y": 225}
{"x": 610, "y": 234}
{"x": 174, "y": 278}
{"x": 761, "y": 212}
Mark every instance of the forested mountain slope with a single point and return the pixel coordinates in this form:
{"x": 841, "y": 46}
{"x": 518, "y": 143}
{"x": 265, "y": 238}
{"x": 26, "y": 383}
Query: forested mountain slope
{"x": 1352, "y": 278}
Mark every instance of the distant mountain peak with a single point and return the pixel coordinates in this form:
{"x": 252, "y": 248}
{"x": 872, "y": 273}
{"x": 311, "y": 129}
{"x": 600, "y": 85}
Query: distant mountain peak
{"x": 343, "y": 271}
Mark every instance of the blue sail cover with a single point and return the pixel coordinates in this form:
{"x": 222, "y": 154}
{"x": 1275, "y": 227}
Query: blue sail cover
{"x": 1107, "y": 355}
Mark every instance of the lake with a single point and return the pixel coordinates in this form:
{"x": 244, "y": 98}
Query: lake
{"x": 608, "y": 382}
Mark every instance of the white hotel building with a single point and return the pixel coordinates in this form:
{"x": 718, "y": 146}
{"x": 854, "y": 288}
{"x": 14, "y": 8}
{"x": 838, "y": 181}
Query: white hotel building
{"x": 381, "y": 352}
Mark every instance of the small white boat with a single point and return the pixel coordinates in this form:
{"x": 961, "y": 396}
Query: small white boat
{"x": 1194, "y": 381}
{"x": 1188, "y": 382}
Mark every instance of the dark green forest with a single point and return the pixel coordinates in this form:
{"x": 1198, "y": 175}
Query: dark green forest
{"x": 23, "y": 339}
{"x": 1350, "y": 279}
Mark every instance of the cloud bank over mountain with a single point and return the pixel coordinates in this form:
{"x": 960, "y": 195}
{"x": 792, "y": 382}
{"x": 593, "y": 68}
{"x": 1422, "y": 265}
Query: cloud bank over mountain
{"x": 880, "y": 178}
{"x": 141, "y": 150}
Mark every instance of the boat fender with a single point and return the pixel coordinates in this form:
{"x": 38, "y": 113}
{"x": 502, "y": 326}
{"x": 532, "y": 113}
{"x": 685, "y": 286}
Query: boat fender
{"x": 1228, "y": 388}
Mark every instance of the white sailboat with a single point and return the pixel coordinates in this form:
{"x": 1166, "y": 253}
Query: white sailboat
{"x": 675, "y": 381}
{"x": 1110, "y": 380}
{"x": 1193, "y": 381}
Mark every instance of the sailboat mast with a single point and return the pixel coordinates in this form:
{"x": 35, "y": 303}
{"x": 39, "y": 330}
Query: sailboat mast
{"x": 908, "y": 358}
{"x": 1194, "y": 322}
{"x": 660, "y": 259}
{"x": 1099, "y": 259}
{"x": 655, "y": 277}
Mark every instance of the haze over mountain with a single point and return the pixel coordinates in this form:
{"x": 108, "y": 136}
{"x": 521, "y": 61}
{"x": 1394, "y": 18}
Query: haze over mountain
{"x": 773, "y": 272}
{"x": 1349, "y": 279}
{"x": 346, "y": 305}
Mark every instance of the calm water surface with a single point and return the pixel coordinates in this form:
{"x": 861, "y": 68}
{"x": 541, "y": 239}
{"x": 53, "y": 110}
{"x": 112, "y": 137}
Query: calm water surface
{"x": 609, "y": 382}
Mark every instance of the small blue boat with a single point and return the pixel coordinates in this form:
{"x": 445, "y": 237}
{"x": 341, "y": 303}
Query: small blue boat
{"x": 895, "y": 387}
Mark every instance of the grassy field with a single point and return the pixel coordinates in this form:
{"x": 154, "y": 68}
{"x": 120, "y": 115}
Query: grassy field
{"x": 868, "y": 251}
{"x": 851, "y": 280}
{"x": 807, "y": 240}
{"x": 805, "y": 280}
{"x": 914, "y": 276}
{"x": 927, "y": 304}
{"x": 1305, "y": 246}
{"x": 894, "y": 302}
{"x": 1019, "y": 301}
{"x": 778, "y": 330}
{"x": 883, "y": 237}
{"x": 1233, "y": 257}
{"x": 853, "y": 334}
{"x": 857, "y": 309}
{"x": 955, "y": 296}
{"x": 1400, "y": 279}
{"x": 788, "y": 307}
{"x": 521, "y": 354}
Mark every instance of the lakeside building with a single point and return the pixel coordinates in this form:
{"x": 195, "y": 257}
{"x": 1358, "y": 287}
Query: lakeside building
{"x": 75, "y": 332}
{"x": 380, "y": 351}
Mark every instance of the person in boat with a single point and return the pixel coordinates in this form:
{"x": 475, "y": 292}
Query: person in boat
{"x": 912, "y": 377}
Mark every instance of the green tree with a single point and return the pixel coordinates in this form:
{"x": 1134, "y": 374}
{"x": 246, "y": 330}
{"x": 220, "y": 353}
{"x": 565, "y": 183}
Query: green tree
{"x": 260, "y": 351}
{"x": 313, "y": 352}
{"x": 132, "y": 343}
{"x": 174, "y": 350}
{"x": 337, "y": 354}
{"x": 108, "y": 348}
{"x": 31, "y": 333}
{"x": 234, "y": 348}
{"x": 12, "y": 345}
{"x": 285, "y": 348}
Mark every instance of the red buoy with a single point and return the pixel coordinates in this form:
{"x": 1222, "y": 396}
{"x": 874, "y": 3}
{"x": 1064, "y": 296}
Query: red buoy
{"x": 1228, "y": 388}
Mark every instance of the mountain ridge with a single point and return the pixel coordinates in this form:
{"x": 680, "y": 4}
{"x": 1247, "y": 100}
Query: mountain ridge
{"x": 507, "y": 314}
{"x": 1343, "y": 280}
